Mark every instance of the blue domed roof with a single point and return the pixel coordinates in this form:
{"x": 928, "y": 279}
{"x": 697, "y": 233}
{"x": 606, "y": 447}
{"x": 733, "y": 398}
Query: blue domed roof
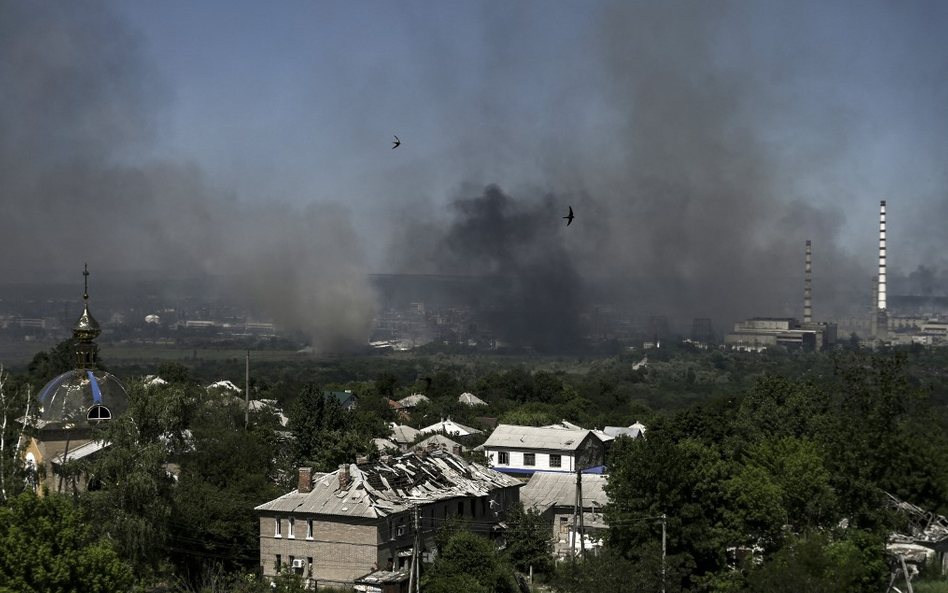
{"x": 81, "y": 397}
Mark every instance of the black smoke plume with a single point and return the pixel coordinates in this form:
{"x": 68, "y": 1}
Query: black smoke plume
{"x": 530, "y": 292}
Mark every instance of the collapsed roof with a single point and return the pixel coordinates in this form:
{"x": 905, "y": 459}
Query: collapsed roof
{"x": 391, "y": 486}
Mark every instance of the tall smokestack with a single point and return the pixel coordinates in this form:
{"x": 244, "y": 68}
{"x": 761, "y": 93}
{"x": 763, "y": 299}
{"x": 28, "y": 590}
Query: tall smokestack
{"x": 874, "y": 308}
{"x": 807, "y": 302}
{"x": 881, "y": 305}
{"x": 882, "y": 321}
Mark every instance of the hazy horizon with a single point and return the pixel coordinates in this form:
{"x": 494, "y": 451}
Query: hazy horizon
{"x": 700, "y": 143}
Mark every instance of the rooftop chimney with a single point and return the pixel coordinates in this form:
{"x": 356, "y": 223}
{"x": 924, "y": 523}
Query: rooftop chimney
{"x": 807, "y": 302}
{"x": 306, "y": 480}
{"x": 343, "y": 476}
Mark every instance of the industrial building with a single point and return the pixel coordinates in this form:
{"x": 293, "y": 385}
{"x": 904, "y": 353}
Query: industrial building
{"x": 758, "y": 333}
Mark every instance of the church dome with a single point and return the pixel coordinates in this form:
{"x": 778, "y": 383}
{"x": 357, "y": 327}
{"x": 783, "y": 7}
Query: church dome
{"x": 81, "y": 397}
{"x": 85, "y": 395}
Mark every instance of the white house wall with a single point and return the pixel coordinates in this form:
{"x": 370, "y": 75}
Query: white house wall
{"x": 542, "y": 461}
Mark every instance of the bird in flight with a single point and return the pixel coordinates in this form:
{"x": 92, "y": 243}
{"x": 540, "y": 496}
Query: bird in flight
{"x": 396, "y": 142}
{"x": 569, "y": 218}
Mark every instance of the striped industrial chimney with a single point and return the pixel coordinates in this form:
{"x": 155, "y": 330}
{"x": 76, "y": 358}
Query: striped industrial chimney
{"x": 882, "y": 318}
{"x": 807, "y": 302}
{"x": 881, "y": 303}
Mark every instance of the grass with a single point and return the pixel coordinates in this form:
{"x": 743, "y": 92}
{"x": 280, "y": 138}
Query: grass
{"x": 927, "y": 586}
{"x": 146, "y": 355}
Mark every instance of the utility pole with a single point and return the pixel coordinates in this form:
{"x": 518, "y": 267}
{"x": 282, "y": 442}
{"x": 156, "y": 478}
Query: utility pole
{"x": 414, "y": 572}
{"x": 582, "y": 522}
{"x": 417, "y": 548}
{"x": 664, "y": 522}
{"x": 577, "y": 504}
{"x": 247, "y": 393}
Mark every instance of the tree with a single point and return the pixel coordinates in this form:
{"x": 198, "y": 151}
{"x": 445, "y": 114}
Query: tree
{"x": 175, "y": 372}
{"x": 47, "y": 365}
{"x": 224, "y": 475}
{"x": 306, "y": 421}
{"x": 821, "y": 563}
{"x": 131, "y": 488}
{"x": 324, "y": 433}
{"x": 14, "y": 403}
{"x": 684, "y": 481}
{"x": 529, "y": 540}
{"x": 46, "y": 547}
{"x": 469, "y": 562}
{"x": 611, "y": 571}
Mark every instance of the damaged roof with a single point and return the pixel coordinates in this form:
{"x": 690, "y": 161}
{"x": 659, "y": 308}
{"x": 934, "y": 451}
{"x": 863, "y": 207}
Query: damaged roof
{"x": 545, "y": 490}
{"x": 384, "y": 488}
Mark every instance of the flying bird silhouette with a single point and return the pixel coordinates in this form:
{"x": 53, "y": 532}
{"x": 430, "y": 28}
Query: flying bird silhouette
{"x": 396, "y": 142}
{"x": 569, "y": 218}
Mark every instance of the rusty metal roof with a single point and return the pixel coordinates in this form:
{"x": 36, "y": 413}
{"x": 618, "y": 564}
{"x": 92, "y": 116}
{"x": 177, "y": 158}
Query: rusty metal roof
{"x": 384, "y": 488}
{"x": 545, "y": 490}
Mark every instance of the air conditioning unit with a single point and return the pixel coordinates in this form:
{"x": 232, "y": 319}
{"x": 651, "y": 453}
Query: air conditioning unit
{"x": 299, "y": 563}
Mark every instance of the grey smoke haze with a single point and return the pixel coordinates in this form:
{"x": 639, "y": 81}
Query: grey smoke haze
{"x": 699, "y": 142}
{"x": 79, "y": 98}
{"x": 687, "y": 205}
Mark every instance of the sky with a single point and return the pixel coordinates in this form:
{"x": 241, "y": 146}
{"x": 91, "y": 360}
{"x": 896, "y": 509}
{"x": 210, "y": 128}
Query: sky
{"x": 700, "y": 143}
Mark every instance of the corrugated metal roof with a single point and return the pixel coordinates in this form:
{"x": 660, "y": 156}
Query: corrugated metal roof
{"x": 82, "y": 451}
{"x": 633, "y": 431}
{"x": 471, "y": 399}
{"x": 383, "y": 488}
{"x": 413, "y": 400}
{"x": 402, "y": 433}
{"x": 450, "y": 427}
{"x": 439, "y": 441}
{"x": 510, "y": 436}
{"x": 546, "y": 489}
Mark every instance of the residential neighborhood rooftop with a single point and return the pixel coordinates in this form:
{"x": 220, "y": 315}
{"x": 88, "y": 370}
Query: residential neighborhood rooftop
{"x": 535, "y": 437}
{"x": 545, "y": 490}
{"x": 471, "y": 399}
{"x": 413, "y": 400}
{"x": 391, "y": 485}
{"x": 450, "y": 427}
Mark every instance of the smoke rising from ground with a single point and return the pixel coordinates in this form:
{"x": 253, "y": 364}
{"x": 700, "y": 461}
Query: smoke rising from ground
{"x": 686, "y": 209}
{"x": 532, "y": 292}
{"x": 80, "y": 105}
{"x": 700, "y": 143}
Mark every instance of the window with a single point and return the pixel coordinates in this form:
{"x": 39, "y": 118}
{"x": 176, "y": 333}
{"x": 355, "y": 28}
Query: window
{"x": 529, "y": 458}
{"x": 279, "y": 562}
{"x": 556, "y": 460}
{"x": 98, "y": 413}
{"x": 400, "y": 530}
{"x": 503, "y": 458}
{"x": 460, "y": 507}
{"x": 289, "y": 531}
{"x": 278, "y": 528}
{"x": 309, "y": 530}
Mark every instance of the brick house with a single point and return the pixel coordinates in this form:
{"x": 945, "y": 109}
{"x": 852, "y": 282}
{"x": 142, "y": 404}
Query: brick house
{"x": 339, "y": 526}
